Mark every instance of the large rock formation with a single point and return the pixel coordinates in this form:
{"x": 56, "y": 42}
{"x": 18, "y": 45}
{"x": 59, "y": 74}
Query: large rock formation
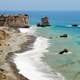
{"x": 14, "y": 21}
{"x": 44, "y": 22}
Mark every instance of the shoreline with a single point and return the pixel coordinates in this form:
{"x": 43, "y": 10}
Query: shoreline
{"x": 24, "y": 47}
{"x": 9, "y": 70}
{"x": 31, "y": 65}
{"x": 29, "y": 56}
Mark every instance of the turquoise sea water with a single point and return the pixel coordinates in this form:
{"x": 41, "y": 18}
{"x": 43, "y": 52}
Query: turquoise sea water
{"x": 67, "y": 64}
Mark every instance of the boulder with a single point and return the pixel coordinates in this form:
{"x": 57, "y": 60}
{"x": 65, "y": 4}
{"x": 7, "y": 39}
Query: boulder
{"x": 3, "y": 75}
{"x": 38, "y": 25}
{"x": 50, "y": 37}
{"x": 75, "y": 25}
{"x": 64, "y": 51}
{"x": 64, "y": 35}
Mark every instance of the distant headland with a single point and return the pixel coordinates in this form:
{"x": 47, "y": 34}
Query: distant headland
{"x": 16, "y": 21}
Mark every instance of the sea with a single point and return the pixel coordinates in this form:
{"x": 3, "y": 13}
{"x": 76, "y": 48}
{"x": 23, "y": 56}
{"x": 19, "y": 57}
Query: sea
{"x": 44, "y": 62}
{"x": 67, "y": 64}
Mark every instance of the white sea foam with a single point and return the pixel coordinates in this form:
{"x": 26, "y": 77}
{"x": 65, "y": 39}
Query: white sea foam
{"x": 68, "y": 25}
{"x": 78, "y": 25}
{"x": 30, "y": 31}
{"x": 31, "y": 65}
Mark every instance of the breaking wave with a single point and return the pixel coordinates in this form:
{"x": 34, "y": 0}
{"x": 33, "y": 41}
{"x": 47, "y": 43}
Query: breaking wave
{"x": 30, "y": 63}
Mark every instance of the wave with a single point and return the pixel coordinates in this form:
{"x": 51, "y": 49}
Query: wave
{"x": 29, "y": 31}
{"x": 68, "y": 25}
{"x": 31, "y": 65}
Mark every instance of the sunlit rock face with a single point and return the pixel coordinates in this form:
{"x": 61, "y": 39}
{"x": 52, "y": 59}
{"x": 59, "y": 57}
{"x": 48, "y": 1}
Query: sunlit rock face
{"x": 44, "y": 22}
{"x": 15, "y": 21}
{"x": 3, "y": 35}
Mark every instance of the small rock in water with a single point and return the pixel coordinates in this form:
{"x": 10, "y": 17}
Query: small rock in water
{"x": 64, "y": 51}
{"x": 38, "y": 24}
{"x": 75, "y": 25}
{"x": 64, "y": 35}
{"x": 50, "y": 37}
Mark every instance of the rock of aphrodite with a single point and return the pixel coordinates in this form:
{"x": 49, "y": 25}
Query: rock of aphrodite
{"x": 44, "y": 22}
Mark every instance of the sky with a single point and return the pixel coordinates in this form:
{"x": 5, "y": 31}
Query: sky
{"x": 40, "y": 5}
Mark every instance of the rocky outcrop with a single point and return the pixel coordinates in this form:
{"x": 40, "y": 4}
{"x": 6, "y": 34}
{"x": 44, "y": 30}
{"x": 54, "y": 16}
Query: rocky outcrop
{"x": 3, "y": 75}
{"x": 44, "y": 22}
{"x": 75, "y": 25}
{"x": 15, "y": 21}
{"x": 64, "y": 35}
{"x": 64, "y": 51}
{"x": 2, "y": 20}
{"x": 3, "y": 35}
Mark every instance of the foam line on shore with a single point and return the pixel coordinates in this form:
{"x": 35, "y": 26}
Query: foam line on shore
{"x": 30, "y": 31}
{"x": 31, "y": 65}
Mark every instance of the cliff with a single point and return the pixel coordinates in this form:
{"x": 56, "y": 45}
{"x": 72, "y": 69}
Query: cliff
{"x": 14, "y": 21}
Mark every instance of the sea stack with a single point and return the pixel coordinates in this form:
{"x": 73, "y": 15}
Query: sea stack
{"x": 44, "y": 22}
